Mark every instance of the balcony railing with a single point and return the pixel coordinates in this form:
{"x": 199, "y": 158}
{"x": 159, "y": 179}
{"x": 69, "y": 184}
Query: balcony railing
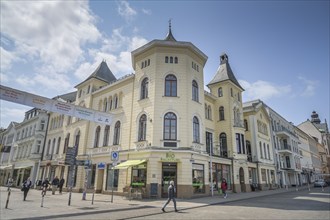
{"x": 141, "y": 145}
{"x": 285, "y": 148}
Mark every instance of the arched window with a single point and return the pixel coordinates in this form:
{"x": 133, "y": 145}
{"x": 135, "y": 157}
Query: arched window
{"x": 194, "y": 91}
{"x": 106, "y": 135}
{"x": 175, "y": 60}
{"x": 142, "y": 128}
{"x": 53, "y": 147}
{"x": 206, "y": 113}
{"x": 170, "y": 85}
{"x": 48, "y": 147}
{"x": 196, "y": 138}
{"x": 171, "y": 59}
{"x": 144, "y": 88}
{"x": 58, "y": 145}
{"x": 223, "y": 145}
{"x": 76, "y": 141}
{"x": 66, "y": 143}
{"x": 220, "y": 92}
{"x": 116, "y": 102}
{"x": 166, "y": 59}
{"x": 170, "y": 126}
{"x": 97, "y": 136}
{"x": 105, "y": 105}
{"x": 221, "y": 113}
{"x": 116, "y": 134}
{"x": 110, "y": 103}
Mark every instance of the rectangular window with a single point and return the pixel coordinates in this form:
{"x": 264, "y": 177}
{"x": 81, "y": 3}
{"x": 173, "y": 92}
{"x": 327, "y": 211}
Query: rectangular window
{"x": 198, "y": 178}
{"x": 112, "y": 178}
{"x": 209, "y": 142}
{"x": 263, "y": 175}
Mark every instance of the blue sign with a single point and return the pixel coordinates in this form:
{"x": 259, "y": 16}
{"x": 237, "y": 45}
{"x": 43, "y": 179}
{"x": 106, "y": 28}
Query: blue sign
{"x": 114, "y": 155}
{"x": 101, "y": 165}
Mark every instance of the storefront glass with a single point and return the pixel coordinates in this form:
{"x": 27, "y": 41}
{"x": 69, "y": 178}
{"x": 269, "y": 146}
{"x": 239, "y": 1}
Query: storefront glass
{"x": 139, "y": 176}
{"x": 198, "y": 178}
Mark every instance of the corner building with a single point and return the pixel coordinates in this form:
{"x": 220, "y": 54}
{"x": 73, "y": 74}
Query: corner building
{"x": 164, "y": 125}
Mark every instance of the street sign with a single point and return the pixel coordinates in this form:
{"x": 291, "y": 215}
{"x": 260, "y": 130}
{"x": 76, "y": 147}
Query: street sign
{"x": 70, "y": 156}
{"x": 114, "y": 155}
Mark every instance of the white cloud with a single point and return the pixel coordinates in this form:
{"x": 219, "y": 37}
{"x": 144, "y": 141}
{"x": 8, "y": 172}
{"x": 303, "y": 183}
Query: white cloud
{"x": 146, "y": 11}
{"x": 12, "y": 114}
{"x": 126, "y": 11}
{"x": 263, "y": 90}
{"x": 310, "y": 87}
{"x": 4, "y": 78}
{"x": 52, "y": 31}
{"x": 7, "y": 58}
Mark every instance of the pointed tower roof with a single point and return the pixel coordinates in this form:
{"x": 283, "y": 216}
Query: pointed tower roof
{"x": 169, "y": 36}
{"x": 103, "y": 73}
{"x": 224, "y": 72}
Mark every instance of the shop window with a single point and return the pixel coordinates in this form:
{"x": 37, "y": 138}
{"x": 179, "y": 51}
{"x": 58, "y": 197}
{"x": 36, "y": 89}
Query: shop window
{"x": 112, "y": 178}
{"x": 198, "y": 178}
{"x": 139, "y": 176}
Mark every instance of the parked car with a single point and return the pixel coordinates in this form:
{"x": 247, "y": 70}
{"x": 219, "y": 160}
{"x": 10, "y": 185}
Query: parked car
{"x": 320, "y": 183}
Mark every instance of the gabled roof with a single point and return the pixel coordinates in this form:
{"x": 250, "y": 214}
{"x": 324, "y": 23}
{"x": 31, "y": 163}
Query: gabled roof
{"x": 69, "y": 97}
{"x": 224, "y": 73}
{"x": 103, "y": 73}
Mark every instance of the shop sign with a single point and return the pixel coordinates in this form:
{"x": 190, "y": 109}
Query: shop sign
{"x": 170, "y": 157}
{"x": 101, "y": 166}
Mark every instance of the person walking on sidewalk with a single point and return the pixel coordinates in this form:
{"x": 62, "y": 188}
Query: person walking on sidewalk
{"x": 60, "y": 185}
{"x": 171, "y": 196}
{"x": 55, "y": 183}
{"x": 45, "y": 185}
{"x": 224, "y": 187}
{"x": 26, "y": 187}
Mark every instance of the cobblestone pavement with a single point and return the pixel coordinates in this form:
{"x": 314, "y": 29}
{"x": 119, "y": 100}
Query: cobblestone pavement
{"x": 56, "y": 206}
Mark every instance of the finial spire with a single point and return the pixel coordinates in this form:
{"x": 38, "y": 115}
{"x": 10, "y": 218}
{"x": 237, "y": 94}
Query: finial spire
{"x": 170, "y": 35}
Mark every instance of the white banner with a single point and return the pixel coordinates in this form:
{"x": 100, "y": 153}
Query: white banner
{"x": 25, "y": 98}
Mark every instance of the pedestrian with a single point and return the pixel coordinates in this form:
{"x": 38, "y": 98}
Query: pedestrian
{"x": 55, "y": 183}
{"x": 45, "y": 185}
{"x": 171, "y": 196}
{"x": 60, "y": 185}
{"x": 224, "y": 187}
{"x": 26, "y": 187}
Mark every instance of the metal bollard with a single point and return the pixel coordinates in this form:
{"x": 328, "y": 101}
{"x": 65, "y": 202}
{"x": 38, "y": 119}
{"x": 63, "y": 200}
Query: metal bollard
{"x": 43, "y": 196}
{"x": 9, "y": 190}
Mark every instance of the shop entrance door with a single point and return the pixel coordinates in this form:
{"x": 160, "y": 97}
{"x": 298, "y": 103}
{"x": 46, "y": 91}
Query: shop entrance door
{"x": 168, "y": 174}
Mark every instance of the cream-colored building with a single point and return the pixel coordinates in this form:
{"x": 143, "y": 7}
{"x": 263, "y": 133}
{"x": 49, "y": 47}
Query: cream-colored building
{"x": 163, "y": 126}
{"x": 259, "y": 144}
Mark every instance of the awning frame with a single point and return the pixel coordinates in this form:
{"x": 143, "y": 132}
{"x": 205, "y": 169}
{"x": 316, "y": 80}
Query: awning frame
{"x": 129, "y": 163}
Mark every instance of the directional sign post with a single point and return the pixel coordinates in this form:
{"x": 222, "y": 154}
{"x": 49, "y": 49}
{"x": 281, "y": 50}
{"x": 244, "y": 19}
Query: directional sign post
{"x": 114, "y": 159}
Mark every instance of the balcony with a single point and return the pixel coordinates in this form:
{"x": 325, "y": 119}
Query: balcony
{"x": 238, "y": 124}
{"x": 286, "y": 167}
{"x": 285, "y": 148}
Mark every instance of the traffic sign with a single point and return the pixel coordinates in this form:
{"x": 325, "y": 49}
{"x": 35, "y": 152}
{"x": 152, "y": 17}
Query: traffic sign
{"x": 114, "y": 155}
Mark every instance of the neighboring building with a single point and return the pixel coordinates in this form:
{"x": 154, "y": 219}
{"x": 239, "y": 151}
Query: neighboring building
{"x": 7, "y": 145}
{"x": 320, "y": 132}
{"x": 29, "y": 142}
{"x": 310, "y": 156}
{"x": 259, "y": 143}
{"x": 287, "y": 153}
{"x": 22, "y": 147}
{"x": 56, "y": 142}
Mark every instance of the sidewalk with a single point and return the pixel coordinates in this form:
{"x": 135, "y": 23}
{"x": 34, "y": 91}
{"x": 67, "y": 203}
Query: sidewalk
{"x": 56, "y": 206}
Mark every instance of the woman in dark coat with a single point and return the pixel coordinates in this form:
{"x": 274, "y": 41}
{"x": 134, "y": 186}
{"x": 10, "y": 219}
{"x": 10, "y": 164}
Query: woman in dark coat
{"x": 26, "y": 187}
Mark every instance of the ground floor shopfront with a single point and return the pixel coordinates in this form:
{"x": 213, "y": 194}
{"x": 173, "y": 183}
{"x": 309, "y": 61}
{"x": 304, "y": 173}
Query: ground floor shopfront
{"x": 149, "y": 173}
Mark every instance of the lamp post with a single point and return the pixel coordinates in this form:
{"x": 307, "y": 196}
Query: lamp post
{"x": 211, "y": 165}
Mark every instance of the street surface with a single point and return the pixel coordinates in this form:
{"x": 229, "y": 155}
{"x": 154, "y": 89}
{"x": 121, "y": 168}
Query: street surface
{"x": 272, "y": 204}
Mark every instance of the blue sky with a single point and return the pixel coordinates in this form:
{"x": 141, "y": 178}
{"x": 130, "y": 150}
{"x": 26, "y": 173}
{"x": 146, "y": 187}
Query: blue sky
{"x": 278, "y": 50}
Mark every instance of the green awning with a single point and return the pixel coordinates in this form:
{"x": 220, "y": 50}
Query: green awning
{"x": 129, "y": 163}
